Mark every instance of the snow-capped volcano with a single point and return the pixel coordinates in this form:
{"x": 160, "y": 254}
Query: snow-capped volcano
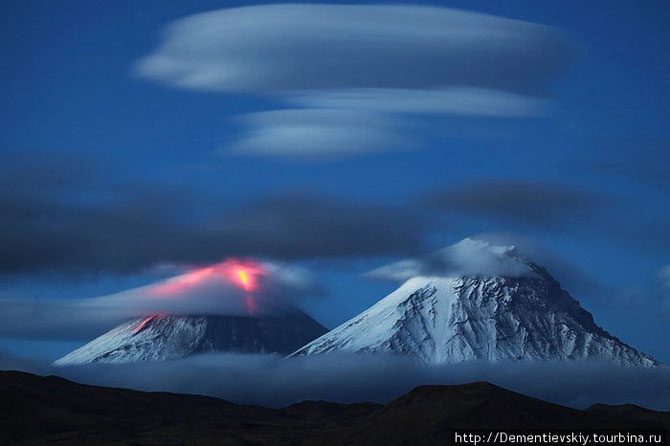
{"x": 165, "y": 337}
{"x": 233, "y": 306}
{"x": 477, "y": 301}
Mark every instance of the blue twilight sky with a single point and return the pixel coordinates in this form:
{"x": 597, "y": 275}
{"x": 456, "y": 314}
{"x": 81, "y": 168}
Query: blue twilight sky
{"x": 338, "y": 137}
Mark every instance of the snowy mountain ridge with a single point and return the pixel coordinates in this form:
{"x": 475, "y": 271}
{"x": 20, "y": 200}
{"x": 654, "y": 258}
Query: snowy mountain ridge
{"x": 489, "y": 303}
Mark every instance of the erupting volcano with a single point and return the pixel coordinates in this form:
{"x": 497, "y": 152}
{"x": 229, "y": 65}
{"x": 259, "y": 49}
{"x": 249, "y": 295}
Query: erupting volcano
{"x": 261, "y": 328}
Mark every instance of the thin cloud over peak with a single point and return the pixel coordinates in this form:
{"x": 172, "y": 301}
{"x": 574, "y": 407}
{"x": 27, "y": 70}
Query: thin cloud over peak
{"x": 222, "y": 288}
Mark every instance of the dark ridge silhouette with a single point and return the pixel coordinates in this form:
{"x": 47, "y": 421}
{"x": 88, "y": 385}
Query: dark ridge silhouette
{"x": 36, "y": 410}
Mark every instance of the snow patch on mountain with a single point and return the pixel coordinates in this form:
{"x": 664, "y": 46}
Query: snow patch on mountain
{"x": 166, "y": 337}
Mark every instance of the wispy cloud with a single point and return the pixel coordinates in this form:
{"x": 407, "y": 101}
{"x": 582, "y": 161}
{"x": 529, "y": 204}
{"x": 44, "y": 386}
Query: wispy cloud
{"x": 289, "y": 47}
{"x": 644, "y": 160}
{"x": 664, "y": 276}
{"x": 47, "y": 226}
{"x": 318, "y": 133}
{"x": 664, "y": 280}
{"x": 528, "y": 203}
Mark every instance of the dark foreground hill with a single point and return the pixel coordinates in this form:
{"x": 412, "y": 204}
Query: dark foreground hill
{"x": 37, "y": 410}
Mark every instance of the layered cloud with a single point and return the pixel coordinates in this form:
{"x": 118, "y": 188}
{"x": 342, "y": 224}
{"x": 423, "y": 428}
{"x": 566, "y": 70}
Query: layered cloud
{"x": 56, "y": 217}
{"x": 457, "y": 100}
{"x": 279, "y": 48}
{"x": 60, "y": 218}
{"x": 372, "y": 58}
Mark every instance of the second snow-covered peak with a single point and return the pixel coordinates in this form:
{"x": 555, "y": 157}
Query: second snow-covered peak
{"x": 469, "y": 257}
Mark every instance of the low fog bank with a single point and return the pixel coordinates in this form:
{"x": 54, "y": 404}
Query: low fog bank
{"x": 274, "y": 381}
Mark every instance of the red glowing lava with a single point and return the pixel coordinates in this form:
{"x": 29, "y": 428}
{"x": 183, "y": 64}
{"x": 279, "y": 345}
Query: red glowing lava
{"x": 143, "y": 323}
{"x": 244, "y": 278}
{"x": 250, "y": 303}
{"x": 243, "y": 274}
